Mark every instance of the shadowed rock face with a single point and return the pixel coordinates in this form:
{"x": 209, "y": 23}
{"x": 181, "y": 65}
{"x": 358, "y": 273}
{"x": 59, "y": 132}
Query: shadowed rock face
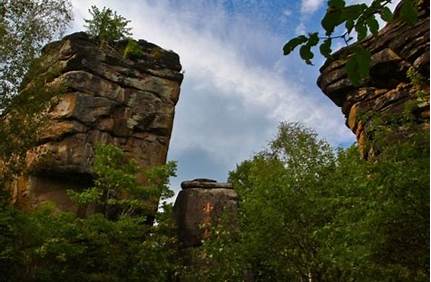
{"x": 200, "y": 204}
{"x": 107, "y": 99}
{"x": 388, "y": 92}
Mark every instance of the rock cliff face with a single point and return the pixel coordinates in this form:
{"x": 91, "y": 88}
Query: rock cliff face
{"x": 399, "y": 49}
{"x": 107, "y": 98}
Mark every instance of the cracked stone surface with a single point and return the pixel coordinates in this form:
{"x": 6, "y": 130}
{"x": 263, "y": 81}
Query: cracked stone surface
{"x": 388, "y": 91}
{"x": 107, "y": 99}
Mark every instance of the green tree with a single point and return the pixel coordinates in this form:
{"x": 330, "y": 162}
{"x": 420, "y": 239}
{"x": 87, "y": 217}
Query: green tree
{"x": 107, "y": 25}
{"x": 116, "y": 191}
{"x": 308, "y": 212}
{"x": 25, "y": 26}
{"x": 358, "y": 18}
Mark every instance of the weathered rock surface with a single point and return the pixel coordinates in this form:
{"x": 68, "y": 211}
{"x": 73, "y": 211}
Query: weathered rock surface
{"x": 201, "y": 204}
{"x": 107, "y": 99}
{"x": 389, "y": 91}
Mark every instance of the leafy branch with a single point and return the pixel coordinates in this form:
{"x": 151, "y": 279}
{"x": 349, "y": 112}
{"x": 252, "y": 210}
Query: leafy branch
{"x": 357, "y": 18}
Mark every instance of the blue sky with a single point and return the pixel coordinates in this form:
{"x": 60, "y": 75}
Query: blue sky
{"x": 238, "y": 86}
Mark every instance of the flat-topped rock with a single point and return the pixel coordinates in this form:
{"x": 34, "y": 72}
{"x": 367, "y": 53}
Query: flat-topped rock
{"x": 201, "y": 204}
{"x": 205, "y": 183}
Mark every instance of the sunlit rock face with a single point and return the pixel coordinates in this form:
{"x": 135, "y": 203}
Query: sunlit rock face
{"x": 107, "y": 98}
{"x": 389, "y": 93}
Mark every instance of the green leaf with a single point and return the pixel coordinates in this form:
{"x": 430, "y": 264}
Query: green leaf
{"x": 354, "y": 11}
{"x": 293, "y": 43}
{"x": 349, "y": 25}
{"x": 364, "y": 59}
{"x": 357, "y": 67}
{"x": 386, "y": 14}
{"x": 352, "y": 70}
{"x": 306, "y": 54}
{"x": 373, "y": 25}
{"x": 338, "y": 4}
{"x": 361, "y": 29}
{"x": 332, "y": 18}
{"x": 408, "y": 12}
{"x": 325, "y": 47}
{"x": 314, "y": 39}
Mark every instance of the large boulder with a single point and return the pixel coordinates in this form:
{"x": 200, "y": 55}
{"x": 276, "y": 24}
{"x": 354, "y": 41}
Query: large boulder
{"x": 200, "y": 205}
{"x": 107, "y": 98}
{"x": 397, "y": 50}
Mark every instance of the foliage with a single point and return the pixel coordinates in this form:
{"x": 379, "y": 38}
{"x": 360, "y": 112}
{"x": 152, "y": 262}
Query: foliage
{"x": 25, "y": 26}
{"x": 116, "y": 189}
{"x": 47, "y": 245}
{"x": 355, "y": 18}
{"x": 358, "y": 64}
{"x": 415, "y": 77}
{"x": 133, "y": 50}
{"x": 22, "y": 122}
{"x": 419, "y": 83}
{"x": 107, "y": 25}
{"x": 309, "y": 213}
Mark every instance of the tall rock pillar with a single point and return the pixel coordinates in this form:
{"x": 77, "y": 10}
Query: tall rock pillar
{"x": 108, "y": 98}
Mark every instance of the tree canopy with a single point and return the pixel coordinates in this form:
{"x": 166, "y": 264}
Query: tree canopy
{"x": 25, "y": 27}
{"x": 308, "y": 212}
{"x": 107, "y": 25}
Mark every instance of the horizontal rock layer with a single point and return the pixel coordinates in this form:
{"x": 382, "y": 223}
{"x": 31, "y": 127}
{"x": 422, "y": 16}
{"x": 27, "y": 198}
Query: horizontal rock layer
{"x": 388, "y": 91}
{"x": 204, "y": 183}
{"x": 107, "y": 98}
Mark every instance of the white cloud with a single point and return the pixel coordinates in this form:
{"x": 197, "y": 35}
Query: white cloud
{"x": 287, "y": 12}
{"x": 300, "y": 29}
{"x": 234, "y": 93}
{"x": 310, "y": 6}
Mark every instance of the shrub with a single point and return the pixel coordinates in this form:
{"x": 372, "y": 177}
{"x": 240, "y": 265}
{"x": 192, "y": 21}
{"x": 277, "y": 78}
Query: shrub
{"x": 107, "y": 25}
{"x": 133, "y": 50}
